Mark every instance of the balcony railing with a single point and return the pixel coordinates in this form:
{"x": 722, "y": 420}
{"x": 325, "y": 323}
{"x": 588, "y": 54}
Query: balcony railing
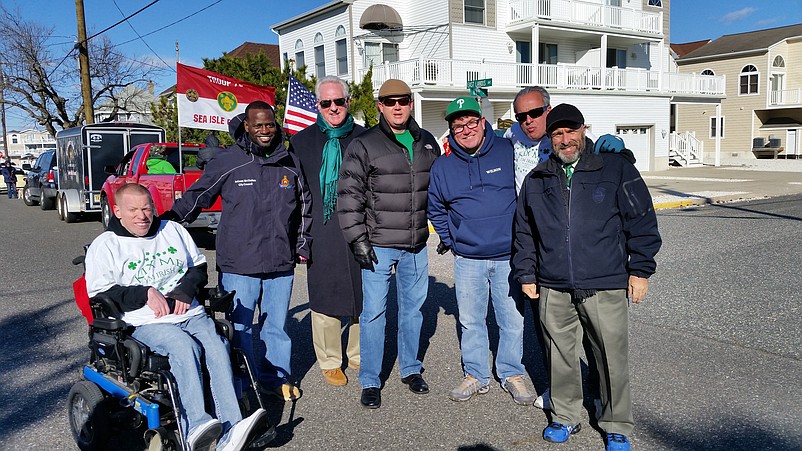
{"x": 786, "y": 97}
{"x": 586, "y": 13}
{"x": 456, "y": 74}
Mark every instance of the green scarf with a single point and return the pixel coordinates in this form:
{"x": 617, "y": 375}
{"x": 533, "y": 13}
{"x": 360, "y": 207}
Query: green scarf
{"x": 332, "y": 157}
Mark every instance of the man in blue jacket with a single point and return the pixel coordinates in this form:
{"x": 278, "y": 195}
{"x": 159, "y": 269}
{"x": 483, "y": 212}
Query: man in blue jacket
{"x": 264, "y": 229}
{"x": 585, "y": 241}
{"x": 471, "y": 206}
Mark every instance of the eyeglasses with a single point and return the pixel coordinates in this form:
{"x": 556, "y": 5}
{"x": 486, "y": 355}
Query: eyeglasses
{"x": 339, "y": 102}
{"x": 403, "y": 101}
{"x": 471, "y": 124}
{"x": 534, "y": 113}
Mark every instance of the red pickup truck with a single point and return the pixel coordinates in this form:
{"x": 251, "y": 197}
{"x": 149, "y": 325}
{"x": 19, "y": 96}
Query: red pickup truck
{"x": 167, "y": 180}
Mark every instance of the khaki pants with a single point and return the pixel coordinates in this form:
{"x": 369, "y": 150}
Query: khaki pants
{"x": 327, "y": 341}
{"x": 605, "y": 319}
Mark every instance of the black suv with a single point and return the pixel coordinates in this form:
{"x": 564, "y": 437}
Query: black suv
{"x": 40, "y": 182}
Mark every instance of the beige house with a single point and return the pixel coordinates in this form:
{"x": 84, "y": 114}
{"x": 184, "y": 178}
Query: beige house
{"x": 762, "y": 112}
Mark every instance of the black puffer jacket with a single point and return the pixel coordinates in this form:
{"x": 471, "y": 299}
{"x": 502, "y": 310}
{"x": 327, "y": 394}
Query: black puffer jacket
{"x": 381, "y": 194}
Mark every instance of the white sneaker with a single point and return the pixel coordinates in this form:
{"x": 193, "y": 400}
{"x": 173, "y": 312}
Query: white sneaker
{"x": 204, "y": 437}
{"x": 243, "y": 433}
{"x": 544, "y": 401}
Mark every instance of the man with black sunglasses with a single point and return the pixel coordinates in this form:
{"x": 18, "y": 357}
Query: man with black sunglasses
{"x": 382, "y": 192}
{"x": 528, "y": 134}
{"x": 333, "y": 276}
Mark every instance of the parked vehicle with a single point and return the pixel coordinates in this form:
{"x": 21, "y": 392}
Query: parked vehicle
{"x": 83, "y": 153}
{"x": 40, "y": 181}
{"x": 165, "y": 186}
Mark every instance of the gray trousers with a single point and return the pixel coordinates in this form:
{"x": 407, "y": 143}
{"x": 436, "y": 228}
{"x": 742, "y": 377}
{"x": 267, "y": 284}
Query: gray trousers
{"x": 604, "y": 317}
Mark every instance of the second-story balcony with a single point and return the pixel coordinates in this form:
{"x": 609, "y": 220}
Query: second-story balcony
{"x": 451, "y": 74}
{"x": 587, "y": 14}
{"x": 786, "y": 97}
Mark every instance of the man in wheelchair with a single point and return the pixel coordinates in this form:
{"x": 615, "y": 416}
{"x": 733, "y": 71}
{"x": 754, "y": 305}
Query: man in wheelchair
{"x": 153, "y": 271}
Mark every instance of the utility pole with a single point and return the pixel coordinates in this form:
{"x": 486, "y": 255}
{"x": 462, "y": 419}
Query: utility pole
{"x": 3, "y": 110}
{"x": 83, "y": 58}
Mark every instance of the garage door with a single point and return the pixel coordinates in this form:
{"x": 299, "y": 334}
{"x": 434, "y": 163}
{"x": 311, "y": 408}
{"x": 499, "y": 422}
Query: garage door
{"x": 638, "y": 141}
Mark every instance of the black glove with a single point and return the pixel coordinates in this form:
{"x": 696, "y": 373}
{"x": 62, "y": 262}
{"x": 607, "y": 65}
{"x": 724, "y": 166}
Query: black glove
{"x": 363, "y": 253}
{"x": 169, "y": 215}
{"x": 442, "y": 248}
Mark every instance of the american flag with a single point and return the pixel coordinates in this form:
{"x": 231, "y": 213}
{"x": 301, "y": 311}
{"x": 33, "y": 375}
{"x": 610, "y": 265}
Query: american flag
{"x": 301, "y": 110}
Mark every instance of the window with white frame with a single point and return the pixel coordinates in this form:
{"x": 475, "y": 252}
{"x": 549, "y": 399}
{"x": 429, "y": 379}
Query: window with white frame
{"x": 778, "y": 62}
{"x": 320, "y": 62}
{"x": 617, "y": 58}
{"x": 299, "y": 54}
{"x": 547, "y": 53}
{"x": 714, "y": 129}
{"x": 380, "y": 52}
{"x": 748, "y": 81}
{"x": 320, "y": 56}
{"x": 341, "y": 51}
{"x": 708, "y": 72}
{"x": 475, "y": 11}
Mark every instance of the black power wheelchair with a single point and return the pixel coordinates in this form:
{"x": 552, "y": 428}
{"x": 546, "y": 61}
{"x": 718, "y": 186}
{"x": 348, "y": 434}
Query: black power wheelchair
{"x": 127, "y": 386}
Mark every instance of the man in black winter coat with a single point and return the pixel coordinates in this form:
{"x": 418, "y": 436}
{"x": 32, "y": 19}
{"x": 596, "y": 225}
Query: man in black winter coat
{"x": 382, "y": 189}
{"x": 585, "y": 241}
{"x": 333, "y": 276}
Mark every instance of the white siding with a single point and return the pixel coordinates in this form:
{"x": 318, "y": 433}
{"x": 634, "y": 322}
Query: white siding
{"x": 481, "y": 43}
{"x": 605, "y": 113}
{"x": 326, "y": 25}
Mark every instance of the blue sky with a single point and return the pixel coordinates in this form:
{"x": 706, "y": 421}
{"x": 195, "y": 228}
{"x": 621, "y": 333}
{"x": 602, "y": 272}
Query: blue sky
{"x": 228, "y": 23}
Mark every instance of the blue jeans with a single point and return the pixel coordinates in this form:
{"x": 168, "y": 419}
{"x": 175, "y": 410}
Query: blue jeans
{"x": 412, "y": 285}
{"x": 271, "y": 292}
{"x": 191, "y": 345}
{"x": 12, "y": 190}
{"x": 476, "y": 282}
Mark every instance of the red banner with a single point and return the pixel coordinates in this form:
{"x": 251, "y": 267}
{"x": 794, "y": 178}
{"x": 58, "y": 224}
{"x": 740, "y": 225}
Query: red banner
{"x": 208, "y": 100}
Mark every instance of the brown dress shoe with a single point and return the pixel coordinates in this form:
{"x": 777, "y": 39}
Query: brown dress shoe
{"x": 335, "y": 377}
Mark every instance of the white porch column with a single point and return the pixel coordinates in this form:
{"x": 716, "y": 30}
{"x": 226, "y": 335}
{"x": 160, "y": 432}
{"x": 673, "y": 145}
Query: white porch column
{"x": 535, "y": 49}
{"x": 661, "y": 67}
{"x": 603, "y": 59}
{"x": 418, "y": 110}
{"x": 718, "y": 134}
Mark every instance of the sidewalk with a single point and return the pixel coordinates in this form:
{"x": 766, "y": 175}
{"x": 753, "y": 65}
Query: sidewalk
{"x": 730, "y": 182}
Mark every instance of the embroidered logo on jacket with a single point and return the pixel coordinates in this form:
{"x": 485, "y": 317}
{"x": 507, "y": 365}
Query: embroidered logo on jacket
{"x": 599, "y": 194}
{"x": 285, "y": 183}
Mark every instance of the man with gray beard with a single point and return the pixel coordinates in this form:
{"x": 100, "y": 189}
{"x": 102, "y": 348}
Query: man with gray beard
{"x": 585, "y": 275}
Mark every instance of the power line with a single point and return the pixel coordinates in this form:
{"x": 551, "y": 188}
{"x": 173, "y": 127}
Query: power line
{"x": 118, "y": 23}
{"x": 171, "y": 24}
{"x": 140, "y": 37}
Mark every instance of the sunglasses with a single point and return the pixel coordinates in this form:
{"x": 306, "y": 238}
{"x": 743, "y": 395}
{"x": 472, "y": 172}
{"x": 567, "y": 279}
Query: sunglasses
{"x": 327, "y": 103}
{"x": 403, "y": 101}
{"x": 534, "y": 113}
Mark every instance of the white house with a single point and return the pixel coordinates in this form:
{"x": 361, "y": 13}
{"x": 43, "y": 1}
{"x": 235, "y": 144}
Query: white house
{"x": 26, "y": 145}
{"x": 608, "y": 57}
{"x": 132, "y": 105}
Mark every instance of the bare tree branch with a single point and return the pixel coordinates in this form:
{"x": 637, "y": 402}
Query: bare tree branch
{"x": 43, "y": 80}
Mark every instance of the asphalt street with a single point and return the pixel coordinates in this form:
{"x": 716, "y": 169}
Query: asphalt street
{"x": 716, "y": 353}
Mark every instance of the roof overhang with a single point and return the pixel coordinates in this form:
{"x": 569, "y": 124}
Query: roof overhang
{"x": 717, "y": 56}
{"x": 780, "y": 123}
{"x": 311, "y": 14}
